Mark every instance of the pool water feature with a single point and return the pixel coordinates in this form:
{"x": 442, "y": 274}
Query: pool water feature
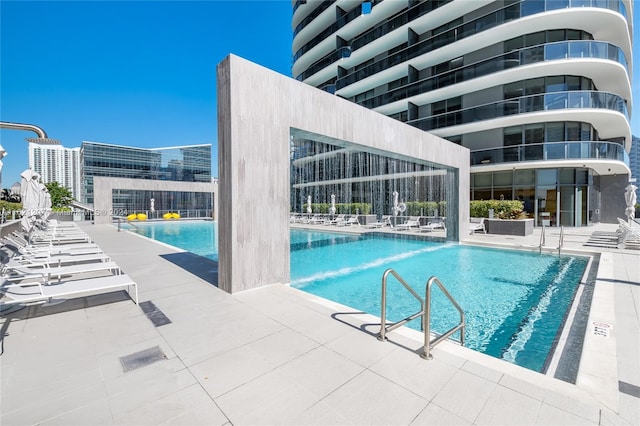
{"x": 515, "y": 302}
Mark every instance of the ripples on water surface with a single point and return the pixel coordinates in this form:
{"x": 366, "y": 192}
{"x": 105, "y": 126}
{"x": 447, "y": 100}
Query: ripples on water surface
{"x": 514, "y": 302}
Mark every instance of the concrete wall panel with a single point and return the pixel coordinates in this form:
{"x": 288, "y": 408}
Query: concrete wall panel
{"x": 258, "y": 109}
{"x": 103, "y": 188}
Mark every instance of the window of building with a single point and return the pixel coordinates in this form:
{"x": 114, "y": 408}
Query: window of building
{"x": 555, "y": 84}
{"x": 547, "y": 176}
{"x": 400, "y": 116}
{"x": 573, "y": 131}
{"x": 567, "y": 176}
{"x": 555, "y": 132}
{"x": 364, "y": 95}
{"x": 482, "y": 179}
{"x": 503, "y": 178}
{"x": 397, "y": 83}
{"x": 534, "y": 133}
{"x": 363, "y": 64}
{"x": 524, "y": 177}
{"x": 512, "y": 136}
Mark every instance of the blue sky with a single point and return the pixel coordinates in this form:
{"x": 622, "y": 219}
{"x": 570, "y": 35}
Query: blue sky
{"x": 136, "y": 73}
{"x": 139, "y": 74}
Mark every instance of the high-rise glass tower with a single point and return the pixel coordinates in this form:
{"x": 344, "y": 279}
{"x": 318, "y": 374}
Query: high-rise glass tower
{"x": 538, "y": 90}
{"x": 634, "y": 163}
{"x": 55, "y": 163}
{"x": 191, "y": 163}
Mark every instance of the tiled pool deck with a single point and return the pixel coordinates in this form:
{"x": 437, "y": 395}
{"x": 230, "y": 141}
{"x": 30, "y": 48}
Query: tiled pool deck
{"x": 277, "y": 355}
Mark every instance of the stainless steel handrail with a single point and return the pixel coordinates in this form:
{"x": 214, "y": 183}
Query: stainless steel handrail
{"x": 383, "y": 313}
{"x": 424, "y": 314}
{"x": 120, "y": 219}
{"x": 542, "y": 238}
{"x": 428, "y": 343}
{"x": 561, "y": 240}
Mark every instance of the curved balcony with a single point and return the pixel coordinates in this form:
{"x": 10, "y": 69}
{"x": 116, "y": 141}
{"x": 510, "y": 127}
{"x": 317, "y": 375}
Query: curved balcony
{"x": 524, "y": 104}
{"x": 297, "y": 5}
{"x": 343, "y": 52}
{"x": 517, "y": 58}
{"x": 555, "y": 151}
{"x": 313, "y": 15}
{"x": 509, "y": 13}
{"x": 339, "y": 23}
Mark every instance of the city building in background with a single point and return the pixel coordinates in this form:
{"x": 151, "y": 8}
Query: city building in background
{"x": 176, "y": 164}
{"x": 538, "y": 90}
{"x": 55, "y": 163}
{"x": 634, "y": 163}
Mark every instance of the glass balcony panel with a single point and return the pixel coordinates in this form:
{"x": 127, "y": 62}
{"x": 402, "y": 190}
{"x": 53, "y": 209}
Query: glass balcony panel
{"x": 555, "y": 151}
{"x": 579, "y": 49}
{"x": 580, "y": 3}
{"x": 511, "y": 107}
{"x": 531, "y": 7}
{"x": 532, "y": 55}
{"x": 574, "y": 151}
{"x": 556, "y": 51}
{"x": 533, "y": 153}
{"x": 556, "y": 4}
{"x": 579, "y": 100}
{"x": 511, "y": 154}
{"x": 547, "y": 101}
{"x": 555, "y": 101}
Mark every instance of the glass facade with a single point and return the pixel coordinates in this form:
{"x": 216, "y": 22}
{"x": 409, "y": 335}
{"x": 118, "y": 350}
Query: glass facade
{"x": 364, "y": 183}
{"x": 533, "y": 96}
{"x": 181, "y": 164}
{"x": 187, "y": 204}
{"x": 553, "y": 197}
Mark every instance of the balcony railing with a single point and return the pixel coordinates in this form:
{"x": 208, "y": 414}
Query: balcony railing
{"x": 509, "y": 13}
{"x": 313, "y": 15}
{"x": 551, "y": 151}
{"x": 339, "y": 23}
{"x": 517, "y": 58}
{"x": 525, "y": 104}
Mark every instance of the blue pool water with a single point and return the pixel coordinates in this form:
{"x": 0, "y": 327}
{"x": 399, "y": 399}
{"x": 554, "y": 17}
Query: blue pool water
{"x": 199, "y": 237}
{"x": 514, "y": 302}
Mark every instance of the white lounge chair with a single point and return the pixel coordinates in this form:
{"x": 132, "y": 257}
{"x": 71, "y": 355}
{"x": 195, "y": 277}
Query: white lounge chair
{"x": 14, "y": 271}
{"x": 375, "y": 225}
{"x": 409, "y": 224}
{"x": 55, "y": 261}
{"x": 352, "y": 220}
{"x": 335, "y": 220}
{"x": 432, "y": 226}
{"x": 36, "y": 292}
{"x": 629, "y": 235}
{"x": 477, "y": 224}
{"x": 48, "y": 251}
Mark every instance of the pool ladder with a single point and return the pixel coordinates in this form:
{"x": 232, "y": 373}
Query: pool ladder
{"x": 560, "y": 240}
{"x": 121, "y": 219}
{"x": 424, "y": 314}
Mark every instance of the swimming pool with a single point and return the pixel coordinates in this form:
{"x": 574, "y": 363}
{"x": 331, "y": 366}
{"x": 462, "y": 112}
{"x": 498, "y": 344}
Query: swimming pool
{"x": 515, "y": 302}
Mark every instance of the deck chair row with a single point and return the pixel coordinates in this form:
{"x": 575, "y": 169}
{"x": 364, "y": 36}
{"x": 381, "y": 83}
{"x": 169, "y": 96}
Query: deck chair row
{"x": 58, "y": 267}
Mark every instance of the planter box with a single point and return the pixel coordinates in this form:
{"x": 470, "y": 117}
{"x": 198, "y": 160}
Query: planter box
{"x": 366, "y": 219}
{"x": 520, "y": 227}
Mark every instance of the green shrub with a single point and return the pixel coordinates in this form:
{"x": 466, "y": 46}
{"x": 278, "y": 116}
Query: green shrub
{"x": 426, "y": 208}
{"x": 341, "y": 208}
{"x": 7, "y": 206}
{"x": 502, "y": 209}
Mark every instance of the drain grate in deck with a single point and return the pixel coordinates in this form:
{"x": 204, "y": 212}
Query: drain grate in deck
{"x": 142, "y": 359}
{"x": 155, "y": 315}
